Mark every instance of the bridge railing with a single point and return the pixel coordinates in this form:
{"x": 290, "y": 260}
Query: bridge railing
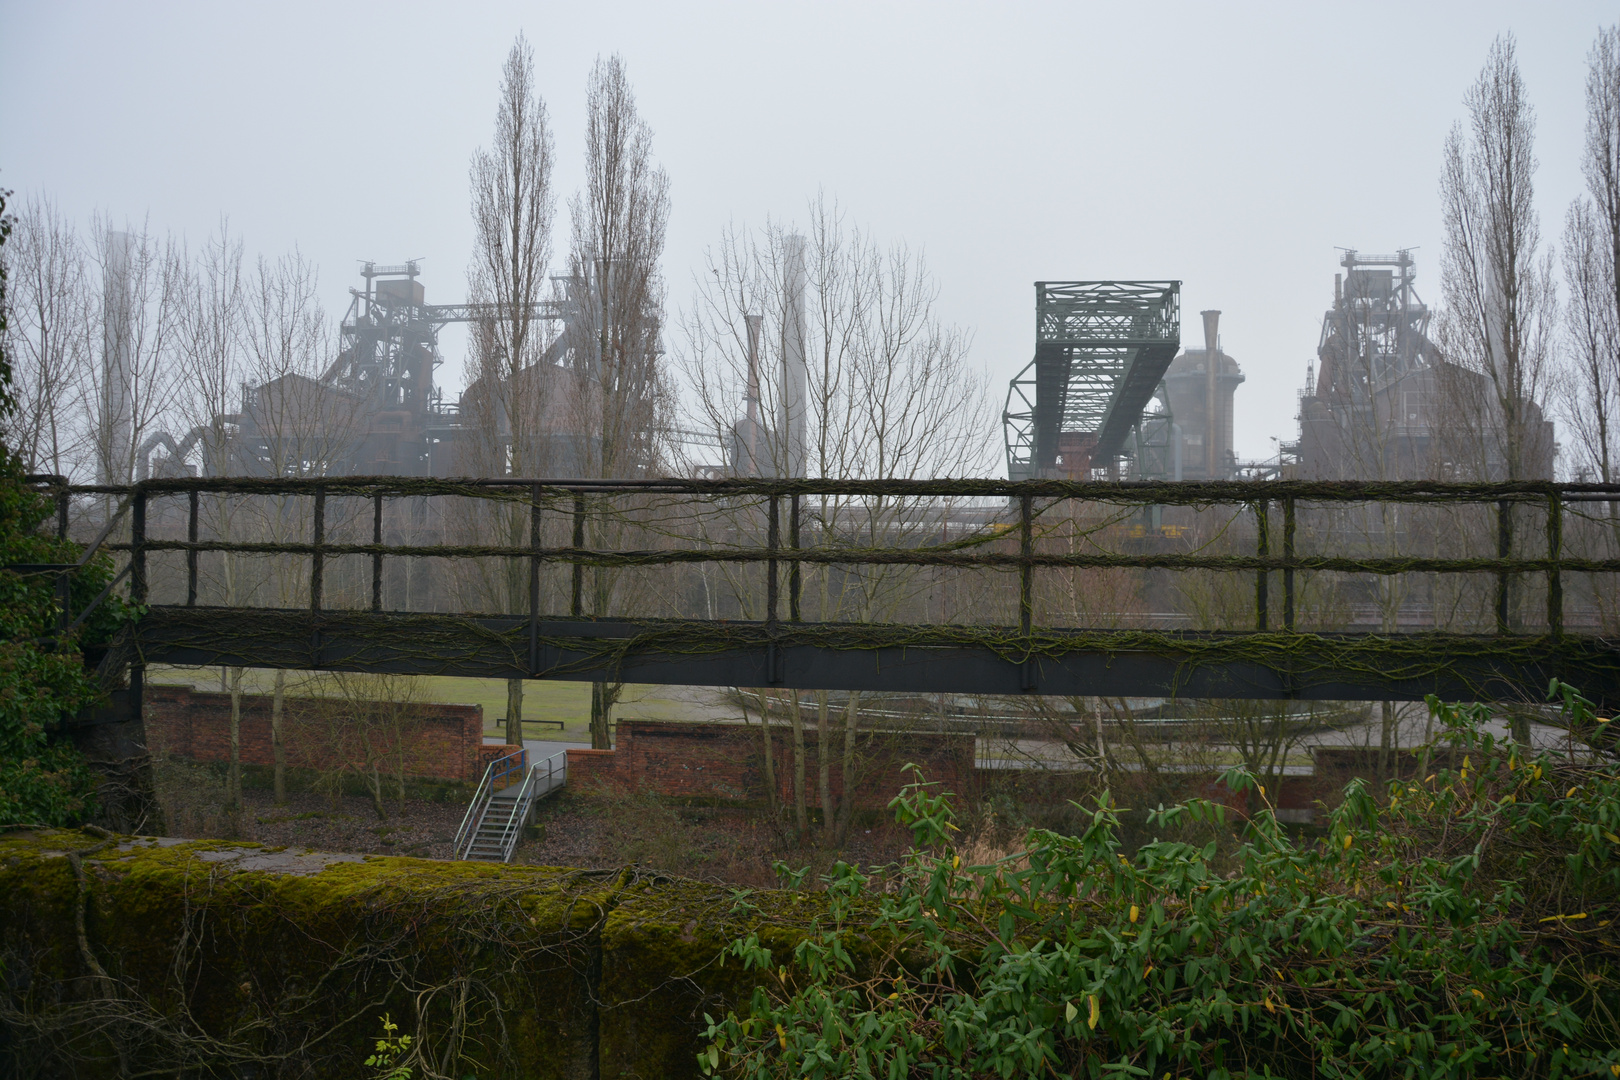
{"x": 1290, "y": 556}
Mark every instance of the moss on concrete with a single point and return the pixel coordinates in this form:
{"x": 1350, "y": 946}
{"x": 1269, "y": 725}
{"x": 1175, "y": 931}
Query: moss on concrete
{"x": 224, "y": 954}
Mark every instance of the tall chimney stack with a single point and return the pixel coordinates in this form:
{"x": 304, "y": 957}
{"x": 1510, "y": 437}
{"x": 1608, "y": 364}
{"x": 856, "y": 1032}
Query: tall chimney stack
{"x": 792, "y": 427}
{"x": 1212, "y": 401}
{"x": 117, "y": 347}
{"x": 755, "y": 324}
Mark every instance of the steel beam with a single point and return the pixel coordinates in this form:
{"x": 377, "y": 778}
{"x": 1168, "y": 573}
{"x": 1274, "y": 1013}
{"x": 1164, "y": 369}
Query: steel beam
{"x": 909, "y": 659}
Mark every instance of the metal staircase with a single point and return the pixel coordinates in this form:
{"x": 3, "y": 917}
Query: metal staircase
{"x": 501, "y": 806}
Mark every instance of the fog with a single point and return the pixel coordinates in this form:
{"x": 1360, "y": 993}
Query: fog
{"x": 1230, "y": 146}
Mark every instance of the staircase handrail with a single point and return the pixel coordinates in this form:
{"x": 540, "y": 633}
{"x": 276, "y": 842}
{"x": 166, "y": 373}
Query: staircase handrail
{"x": 526, "y": 799}
{"x": 474, "y": 807}
{"x": 495, "y": 770}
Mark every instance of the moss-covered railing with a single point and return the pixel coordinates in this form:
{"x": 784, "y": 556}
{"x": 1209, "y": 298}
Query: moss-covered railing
{"x": 1530, "y": 525}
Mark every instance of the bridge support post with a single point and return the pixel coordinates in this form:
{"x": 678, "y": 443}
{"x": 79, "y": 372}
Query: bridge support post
{"x": 773, "y": 540}
{"x": 578, "y": 605}
{"x": 317, "y": 567}
{"x": 191, "y": 555}
{"x": 1288, "y": 572}
{"x": 376, "y": 557}
{"x": 534, "y": 580}
{"x": 1262, "y": 580}
{"x": 1026, "y": 588}
{"x": 1504, "y": 550}
{"x": 793, "y": 567}
{"x": 137, "y": 598}
{"x": 1555, "y": 580}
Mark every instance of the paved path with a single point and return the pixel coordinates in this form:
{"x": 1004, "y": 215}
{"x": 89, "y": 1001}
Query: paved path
{"x": 539, "y": 749}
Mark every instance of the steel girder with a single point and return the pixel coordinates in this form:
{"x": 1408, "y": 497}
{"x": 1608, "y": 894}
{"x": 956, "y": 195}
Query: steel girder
{"x": 1101, "y": 348}
{"x": 1270, "y": 666}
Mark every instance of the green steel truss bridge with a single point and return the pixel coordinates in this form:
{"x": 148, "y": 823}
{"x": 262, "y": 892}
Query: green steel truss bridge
{"x": 1274, "y": 590}
{"x": 1101, "y": 348}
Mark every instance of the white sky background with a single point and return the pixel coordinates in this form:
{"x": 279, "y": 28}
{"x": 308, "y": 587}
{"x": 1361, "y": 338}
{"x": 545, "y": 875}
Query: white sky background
{"x": 1230, "y": 146}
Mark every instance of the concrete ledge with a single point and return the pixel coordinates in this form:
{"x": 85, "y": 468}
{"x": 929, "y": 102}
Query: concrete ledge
{"x": 220, "y": 955}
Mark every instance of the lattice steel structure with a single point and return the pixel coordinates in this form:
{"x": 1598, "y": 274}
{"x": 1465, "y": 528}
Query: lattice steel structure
{"x": 1101, "y": 348}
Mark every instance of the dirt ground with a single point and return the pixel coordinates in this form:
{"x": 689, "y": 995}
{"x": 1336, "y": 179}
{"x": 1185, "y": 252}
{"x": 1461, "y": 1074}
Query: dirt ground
{"x": 736, "y": 847}
{"x": 732, "y": 846}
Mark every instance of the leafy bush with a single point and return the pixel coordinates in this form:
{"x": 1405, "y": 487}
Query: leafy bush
{"x": 1459, "y": 927}
{"x": 43, "y": 779}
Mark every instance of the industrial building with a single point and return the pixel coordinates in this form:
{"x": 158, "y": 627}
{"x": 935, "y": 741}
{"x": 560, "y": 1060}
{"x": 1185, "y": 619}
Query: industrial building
{"x": 376, "y": 409}
{"x": 1382, "y": 403}
{"x": 1107, "y": 394}
{"x": 1198, "y": 396}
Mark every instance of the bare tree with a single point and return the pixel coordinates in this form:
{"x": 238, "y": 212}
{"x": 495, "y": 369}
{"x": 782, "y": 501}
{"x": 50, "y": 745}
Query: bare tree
{"x": 614, "y": 337}
{"x": 1499, "y": 290}
{"x": 513, "y": 205}
{"x": 131, "y": 391}
{"x": 1591, "y": 257}
{"x": 886, "y": 391}
{"x": 209, "y": 352}
{"x": 210, "y": 349}
{"x": 48, "y": 327}
{"x": 251, "y": 348}
{"x": 304, "y": 425}
{"x": 1590, "y": 387}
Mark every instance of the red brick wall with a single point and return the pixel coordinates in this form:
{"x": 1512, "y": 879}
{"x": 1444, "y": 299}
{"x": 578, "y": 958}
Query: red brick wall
{"x": 441, "y": 741}
{"x": 589, "y": 769}
{"x": 727, "y": 762}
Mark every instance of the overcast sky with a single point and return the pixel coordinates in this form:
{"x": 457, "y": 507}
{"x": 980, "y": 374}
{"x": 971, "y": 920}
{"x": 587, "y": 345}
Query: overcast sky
{"x": 1231, "y": 146}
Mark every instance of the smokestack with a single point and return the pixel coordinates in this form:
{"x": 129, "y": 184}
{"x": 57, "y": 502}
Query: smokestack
{"x": 1212, "y": 320}
{"x": 755, "y": 324}
{"x": 117, "y": 343}
{"x": 792, "y": 426}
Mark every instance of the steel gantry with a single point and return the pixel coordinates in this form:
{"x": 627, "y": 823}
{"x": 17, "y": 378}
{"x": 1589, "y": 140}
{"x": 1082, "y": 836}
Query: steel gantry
{"x": 1101, "y": 348}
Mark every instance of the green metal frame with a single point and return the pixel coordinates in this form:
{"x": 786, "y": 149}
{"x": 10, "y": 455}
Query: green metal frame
{"x": 1101, "y": 348}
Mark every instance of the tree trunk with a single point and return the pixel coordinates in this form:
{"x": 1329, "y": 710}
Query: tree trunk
{"x": 846, "y": 812}
{"x": 770, "y": 752}
{"x": 800, "y": 814}
{"x": 602, "y": 699}
{"x": 1386, "y": 740}
{"x": 277, "y": 746}
{"x": 829, "y": 812}
{"x": 374, "y": 782}
{"x": 514, "y": 711}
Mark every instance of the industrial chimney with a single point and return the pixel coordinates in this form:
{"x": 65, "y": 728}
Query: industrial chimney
{"x": 1212, "y": 400}
{"x": 755, "y": 325}
{"x": 117, "y": 359}
{"x": 791, "y": 428}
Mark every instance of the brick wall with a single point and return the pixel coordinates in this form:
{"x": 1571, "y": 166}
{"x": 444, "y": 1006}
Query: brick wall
{"x": 727, "y": 762}
{"x": 442, "y": 742}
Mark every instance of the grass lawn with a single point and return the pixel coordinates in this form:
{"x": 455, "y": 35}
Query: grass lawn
{"x": 569, "y": 702}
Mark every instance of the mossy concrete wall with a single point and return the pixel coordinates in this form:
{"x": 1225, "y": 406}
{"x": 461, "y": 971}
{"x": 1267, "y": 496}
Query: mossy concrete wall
{"x": 213, "y": 957}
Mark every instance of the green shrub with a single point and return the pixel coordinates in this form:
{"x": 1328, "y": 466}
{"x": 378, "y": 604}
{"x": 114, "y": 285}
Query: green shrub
{"x": 1460, "y": 927}
{"x": 43, "y": 779}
